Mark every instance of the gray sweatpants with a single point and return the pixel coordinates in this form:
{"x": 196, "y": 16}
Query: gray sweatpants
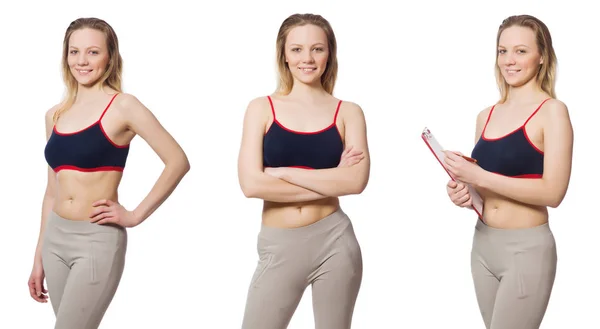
{"x": 83, "y": 263}
{"x": 325, "y": 255}
{"x": 513, "y": 271}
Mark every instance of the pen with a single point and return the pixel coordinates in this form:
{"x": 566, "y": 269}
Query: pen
{"x": 469, "y": 159}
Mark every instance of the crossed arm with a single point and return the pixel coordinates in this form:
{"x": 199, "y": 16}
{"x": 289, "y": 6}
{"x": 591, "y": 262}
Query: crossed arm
{"x": 293, "y": 184}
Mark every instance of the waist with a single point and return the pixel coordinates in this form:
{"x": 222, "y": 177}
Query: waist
{"x": 294, "y": 215}
{"x": 77, "y": 191}
{"x": 503, "y": 213}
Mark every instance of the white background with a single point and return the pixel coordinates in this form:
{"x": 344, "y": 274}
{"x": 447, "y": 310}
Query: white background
{"x": 427, "y": 63}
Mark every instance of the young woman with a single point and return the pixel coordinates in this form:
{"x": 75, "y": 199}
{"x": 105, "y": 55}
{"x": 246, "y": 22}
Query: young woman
{"x": 83, "y": 239}
{"x": 302, "y": 149}
{"x": 523, "y": 150}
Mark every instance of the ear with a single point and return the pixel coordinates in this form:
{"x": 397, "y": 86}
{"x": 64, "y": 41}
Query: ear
{"x": 541, "y": 60}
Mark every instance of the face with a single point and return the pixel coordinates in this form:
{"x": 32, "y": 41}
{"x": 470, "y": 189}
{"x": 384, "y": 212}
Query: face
{"x": 88, "y": 55}
{"x": 306, "y": 53}
{"x": 519, "y": 59}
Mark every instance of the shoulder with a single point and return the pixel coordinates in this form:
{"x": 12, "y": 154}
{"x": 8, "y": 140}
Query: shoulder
{"x": 49, "y": 115}
{"x": 555, "y": 108}
{"x": 128, "y": 106}
{"x": 125, "y": 100}
{"x": 50, "y": 112}
{"x": 483, "y": 114}
{"x": 259, "y": 106}
{"x": 350, "y": 109}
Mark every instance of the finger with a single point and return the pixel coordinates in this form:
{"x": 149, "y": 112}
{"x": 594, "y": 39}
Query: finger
{"x": 100, "y": 216}
{"x": 452, "y": 184}
{"x": 107, "y": 220}
{"x": 355, "y": 153}
{"x": 99, "y": 210}
{"x": 38, "y": 288}
{"x": 32, "y": 289}
{"x": 463, "y": 198}
{"x": 467, "y": 203}
{"x": 450, "y": 156}
{"x": 347, "y": 150}
{"x": 103, "y": 202}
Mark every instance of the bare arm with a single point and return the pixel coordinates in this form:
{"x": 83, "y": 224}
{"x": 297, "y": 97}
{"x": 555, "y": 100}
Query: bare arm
{"x": 140, "y": 120}
{"x": 36, "y": 279}
{"x": 253, "y": 181}
{"x": 49, "y": 194}
{"x": 339, "y": 181}
{"x": 551, "y": 189}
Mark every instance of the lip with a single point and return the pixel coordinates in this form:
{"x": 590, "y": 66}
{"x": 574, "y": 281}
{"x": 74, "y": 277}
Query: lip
{"x": 84, "y": 72}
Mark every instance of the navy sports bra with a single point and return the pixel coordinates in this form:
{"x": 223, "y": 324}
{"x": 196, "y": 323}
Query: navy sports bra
{"x": 511, "y": 155}
{"x": 88, "y": 149}
{"x": 283, "y": 147}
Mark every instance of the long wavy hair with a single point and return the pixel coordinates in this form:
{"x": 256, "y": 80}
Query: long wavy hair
{"x": 286, "y": 81}
{"x": 546, "y": 76}
{"x": 112, "y": 75}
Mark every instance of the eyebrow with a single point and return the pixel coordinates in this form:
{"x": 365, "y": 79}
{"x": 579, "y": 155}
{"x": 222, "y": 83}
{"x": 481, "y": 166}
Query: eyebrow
{"x": 316, "y": 44}
{"x": 87, "y": 47}
{"x": 521, "y": 45}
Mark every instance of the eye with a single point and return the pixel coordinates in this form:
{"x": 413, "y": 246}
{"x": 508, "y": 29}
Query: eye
{"x": 501, "y": 51}
{"x": 319, "y": 49}
{"x": 94, "y": 52}
{"x": 73, "y": 52}
{"x": 296, "y": 49}
{"x": 521, "y": 51}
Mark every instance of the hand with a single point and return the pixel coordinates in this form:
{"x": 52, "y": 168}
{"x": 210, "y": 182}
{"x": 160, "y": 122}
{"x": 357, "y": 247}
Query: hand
{"x": 36, "y": 284}
{"x": 459, "y": 194}
{"x": 275, "y": 172}
{"x": 463, "y": 170}
{"x": 108, "y": 211}
{"x": 350, "y": 157}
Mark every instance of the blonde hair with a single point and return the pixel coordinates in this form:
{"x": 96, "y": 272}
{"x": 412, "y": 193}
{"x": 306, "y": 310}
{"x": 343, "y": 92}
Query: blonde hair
{"x": 546, "y": 76}
{"x": 286, "y": 80}
{"x": 112, "y": 75}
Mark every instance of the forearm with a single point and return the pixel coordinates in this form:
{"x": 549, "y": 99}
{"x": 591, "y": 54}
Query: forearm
{"x": 162, "y": 189}
{"x": 332, "y": 182}
{"x": 533, "y": 191}
{"x": 47, "y": 205}
{"x": 268, "y": 188}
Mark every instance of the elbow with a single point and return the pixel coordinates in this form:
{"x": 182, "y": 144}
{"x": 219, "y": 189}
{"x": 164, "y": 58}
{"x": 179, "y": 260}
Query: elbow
{"x": 180, "y": 166}
{"x": 360, "y": 185}
{"x": 555, "y": 202}
{"x": 555, "y": 198}
{"x": 248, "y": 189}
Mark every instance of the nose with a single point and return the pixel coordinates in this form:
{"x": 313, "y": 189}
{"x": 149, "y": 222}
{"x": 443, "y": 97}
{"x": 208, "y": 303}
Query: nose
{"x": 82, "y": 59}
{"x": 509, "y": 59}
{"x": 307, "y": 57}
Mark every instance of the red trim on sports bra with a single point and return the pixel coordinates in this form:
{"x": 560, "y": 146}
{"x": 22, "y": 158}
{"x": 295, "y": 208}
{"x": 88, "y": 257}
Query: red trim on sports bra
{"x": 520, "y": 176}
{"x": 106, "y": 168}
{"x": 305, "y": 132}
{"x": 98, "y": 122}
{"x": 517, "y": 129}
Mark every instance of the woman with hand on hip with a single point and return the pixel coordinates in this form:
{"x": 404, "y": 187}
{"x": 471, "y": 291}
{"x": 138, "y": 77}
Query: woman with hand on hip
{"x": 83, "y": 240}
{"x": 524, "y": 146}
{"x": 301, "y": 150}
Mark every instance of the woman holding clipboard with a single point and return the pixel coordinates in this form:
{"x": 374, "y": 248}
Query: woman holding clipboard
{"x": 523, "y": 155}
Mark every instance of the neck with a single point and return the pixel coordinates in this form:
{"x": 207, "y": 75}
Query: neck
{"x": 89, "y": 92}
{"x": 524, "y": 94}
{"x": 307, "y": 92}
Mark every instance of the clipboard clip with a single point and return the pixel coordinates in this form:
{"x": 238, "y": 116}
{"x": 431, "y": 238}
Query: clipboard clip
{"x": 427, "y": 133}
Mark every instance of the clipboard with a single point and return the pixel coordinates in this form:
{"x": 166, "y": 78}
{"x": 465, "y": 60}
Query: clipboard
{"x": 438, "y": 152}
